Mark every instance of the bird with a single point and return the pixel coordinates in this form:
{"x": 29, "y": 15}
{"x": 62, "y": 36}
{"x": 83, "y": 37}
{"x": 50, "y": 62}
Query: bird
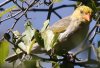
{"x": 71, "y": 31}
{"x": 65, "y": 34}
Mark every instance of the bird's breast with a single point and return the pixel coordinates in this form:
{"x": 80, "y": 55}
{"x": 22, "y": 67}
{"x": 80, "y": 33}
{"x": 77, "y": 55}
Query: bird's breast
{"x": 73, "y": 40}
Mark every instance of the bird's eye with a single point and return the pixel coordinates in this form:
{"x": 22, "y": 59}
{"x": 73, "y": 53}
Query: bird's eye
{"x": 81, "y": 11}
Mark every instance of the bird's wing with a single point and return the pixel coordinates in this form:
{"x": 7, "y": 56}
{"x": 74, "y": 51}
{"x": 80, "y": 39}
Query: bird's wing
{"x": 71, "y": 28}
{"x": 61, "y": 25}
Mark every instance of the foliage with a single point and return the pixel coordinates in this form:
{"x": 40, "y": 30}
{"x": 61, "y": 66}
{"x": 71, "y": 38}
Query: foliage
{"x": 7, "y": 10}
{"x": 4, "y": 51}
{"x": 29, "y": 45}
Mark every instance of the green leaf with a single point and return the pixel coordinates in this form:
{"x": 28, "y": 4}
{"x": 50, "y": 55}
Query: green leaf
{"x": 93, "y": 6}
{"x": 30, "y": 64}
{"x": 7, "y": 10}
{"x": 33, "y": 63}
{"x": 56, "y": 1}
{"x": 98, "y": 8}
{"x": 4, "y": 51}
{"x": 38, "y": 38}
{"x": 98, "y": 43}
{"x": 55, "y": 65}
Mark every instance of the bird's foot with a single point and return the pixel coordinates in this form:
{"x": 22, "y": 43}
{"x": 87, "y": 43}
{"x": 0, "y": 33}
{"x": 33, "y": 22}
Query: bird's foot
{"x": 70, "y": 57}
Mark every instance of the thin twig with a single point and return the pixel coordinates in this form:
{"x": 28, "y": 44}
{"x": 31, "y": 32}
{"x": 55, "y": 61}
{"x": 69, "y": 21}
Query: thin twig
{"x": 15, "y": 2}
{"x": 62, "y": 6}
{"x": 53, "y": 9}
{"x": 23, "y": 14}
{"x": 93, "y": 28}
{"x": 32, "y": 9}
{"x": 57, "y": 14}
{"x": 10, "y": 17}
{"x": 5, "y": 2}
{"x": 49, "y": 12}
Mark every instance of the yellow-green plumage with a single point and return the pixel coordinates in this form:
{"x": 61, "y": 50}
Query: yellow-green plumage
{"x": 72, "y": 29}
{"x": 62, "y": 24}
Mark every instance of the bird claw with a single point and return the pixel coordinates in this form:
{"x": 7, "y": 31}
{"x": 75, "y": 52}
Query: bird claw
{"x": 70, "y": 57}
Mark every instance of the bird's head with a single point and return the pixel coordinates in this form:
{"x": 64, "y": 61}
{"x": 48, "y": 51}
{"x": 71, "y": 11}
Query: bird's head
{"x": 84, "y": 13}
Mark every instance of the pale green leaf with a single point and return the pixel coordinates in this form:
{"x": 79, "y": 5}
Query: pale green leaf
{"x": 22, "y": 46}
{"x": 17, "y": 34}
{"x": 7, "y": 10}
{"x": 30, "y": 45}
{"x": 48, "y": 36}
{"x": 4, "y": 50}
{"x": 17, "y": 39}
{"x": 45, "y": 25}
{"x": 50, "y": 39}
{"x": 26, "y": 40}
{"x": 28, "y": 35}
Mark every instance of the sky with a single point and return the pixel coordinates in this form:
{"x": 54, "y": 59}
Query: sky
{"x": 38, "y": 18}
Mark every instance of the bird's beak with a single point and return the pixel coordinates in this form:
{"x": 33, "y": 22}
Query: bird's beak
{"x": 87, "y": 17}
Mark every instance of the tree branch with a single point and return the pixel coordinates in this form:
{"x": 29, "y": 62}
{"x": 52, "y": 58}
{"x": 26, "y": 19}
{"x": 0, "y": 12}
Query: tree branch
{"x": 49, "y": 12}
{"x": 5, "y": 2}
